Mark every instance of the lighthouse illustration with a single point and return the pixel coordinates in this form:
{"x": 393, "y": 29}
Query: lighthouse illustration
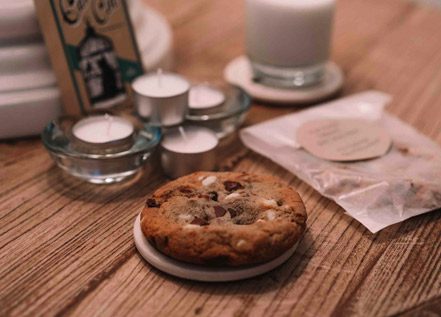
{"x": 99, "y": 67}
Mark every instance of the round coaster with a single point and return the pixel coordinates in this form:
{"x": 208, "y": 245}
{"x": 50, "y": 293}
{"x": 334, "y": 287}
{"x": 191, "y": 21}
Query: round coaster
{"x": 200, "y": 272}
{"x": 238, "y": 72}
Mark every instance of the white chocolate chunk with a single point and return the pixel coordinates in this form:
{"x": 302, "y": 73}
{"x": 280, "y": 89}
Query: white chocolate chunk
{"x": 232, "y": 196}
{"x": 269, "y": 203}
{"x": 190, "y": 226}
{"x": 209, "y": 180}
{"x": 221, "y": 196}
{"x": 286, "y": 207}
{"x": 185, "y": 217}
{"x": 210, "y": 213}
{"x": 270, "y": 215}
{"x": 241, "y": 243}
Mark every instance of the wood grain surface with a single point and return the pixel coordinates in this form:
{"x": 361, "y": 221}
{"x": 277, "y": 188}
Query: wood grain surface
{"x": 66, "y": 247}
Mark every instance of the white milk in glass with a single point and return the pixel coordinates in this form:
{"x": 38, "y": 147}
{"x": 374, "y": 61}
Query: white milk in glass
{"x": 291, "y": 34}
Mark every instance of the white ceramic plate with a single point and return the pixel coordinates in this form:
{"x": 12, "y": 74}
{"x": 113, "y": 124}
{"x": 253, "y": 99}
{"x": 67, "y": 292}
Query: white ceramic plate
{"x": 26, "y": 112}
{"x": 25, "y": 66}
{"x": 23, "y": 58}
{"x": 238, "y": 72}
{"x": 10, "y": 83}
{"x": 18, "y": 21}
{"x": 200, "y": 272}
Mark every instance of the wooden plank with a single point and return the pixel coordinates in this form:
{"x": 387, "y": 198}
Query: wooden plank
{"x": 66, "y": 247}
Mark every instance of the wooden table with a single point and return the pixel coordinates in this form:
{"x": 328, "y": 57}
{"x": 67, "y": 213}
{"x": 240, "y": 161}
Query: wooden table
{"x": 66, "y": 247}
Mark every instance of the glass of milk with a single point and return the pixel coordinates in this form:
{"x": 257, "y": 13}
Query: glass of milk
{"x": 288, "y": 41}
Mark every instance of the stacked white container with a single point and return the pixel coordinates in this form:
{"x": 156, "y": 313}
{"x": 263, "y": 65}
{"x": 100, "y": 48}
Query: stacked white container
{"x": 29, "y": 97}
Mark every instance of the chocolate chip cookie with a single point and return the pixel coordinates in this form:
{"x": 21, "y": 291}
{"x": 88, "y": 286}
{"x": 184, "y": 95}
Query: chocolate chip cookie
{"x": 224, "y": 218}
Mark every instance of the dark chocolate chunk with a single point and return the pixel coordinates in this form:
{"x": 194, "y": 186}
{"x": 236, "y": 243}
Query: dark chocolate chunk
{"x": 185, "y": 190}
{"x": 232, "y": 186}
{"x": 199, "y": 222}
{"x": 233, "y": 212}
{"x": 219, "y": 211}
{"x": 213, "y": 195}
{"x": 152, "y": 203}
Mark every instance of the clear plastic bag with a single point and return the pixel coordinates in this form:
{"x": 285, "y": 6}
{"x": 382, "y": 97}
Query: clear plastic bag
{"x": 403, "y": 183}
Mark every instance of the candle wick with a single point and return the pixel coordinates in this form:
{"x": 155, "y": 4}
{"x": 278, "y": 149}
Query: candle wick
{"x": 198, "y": 95}
{"x": 109, "y": 120}
{"x": 183, "y": 133}
{"x": 159, "y": 76}
{"x": 204, "y": 84}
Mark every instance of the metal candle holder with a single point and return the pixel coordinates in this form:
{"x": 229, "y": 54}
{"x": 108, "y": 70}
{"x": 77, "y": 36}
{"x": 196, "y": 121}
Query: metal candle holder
{"x": 177, "y": 162}
{"x": 161, "y": 107}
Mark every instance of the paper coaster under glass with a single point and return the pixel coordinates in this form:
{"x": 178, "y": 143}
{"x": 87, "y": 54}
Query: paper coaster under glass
{"x": 199, "y": 272}
{"x": 224, "y": 118}
{"x": 238, "y": 72}
{"x": 93, "y": 164}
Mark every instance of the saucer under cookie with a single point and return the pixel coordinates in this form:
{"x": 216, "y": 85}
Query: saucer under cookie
{"x": 200, "y": 272}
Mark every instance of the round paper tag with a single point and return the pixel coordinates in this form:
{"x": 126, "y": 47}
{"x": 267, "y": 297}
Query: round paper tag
{"x": 344, "y": 139}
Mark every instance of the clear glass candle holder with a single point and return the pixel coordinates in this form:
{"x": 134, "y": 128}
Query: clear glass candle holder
{"x": 99, "y": 167}
{"x": 228, "y": 117}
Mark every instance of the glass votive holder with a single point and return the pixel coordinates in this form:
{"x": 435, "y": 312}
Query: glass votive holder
{"x": 293, "y": 49}
{"x": 99, "y": 166}
{"x": 205, "y": 98}
{"x": 226, "y": 118}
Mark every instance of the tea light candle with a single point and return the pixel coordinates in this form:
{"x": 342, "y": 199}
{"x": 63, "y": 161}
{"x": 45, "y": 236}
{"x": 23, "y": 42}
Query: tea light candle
{"x": 205, "y": 98}
{"x": 161, "y": 97}
{"x": 187, "y": 150}
{"x": 103, "y": 133}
